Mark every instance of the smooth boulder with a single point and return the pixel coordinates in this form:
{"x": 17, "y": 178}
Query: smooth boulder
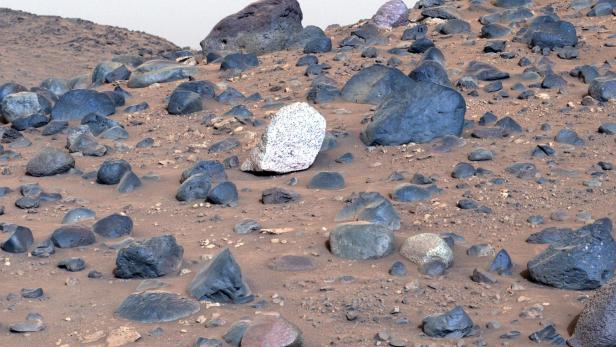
{"x": 369, "y": 207}
{"x": 361, "y": 241}
{"x": 79, "y": 103}
{"x": 113, "y": 226}
{"x": 156, "y": 307}
{"x": 374, "y": 83}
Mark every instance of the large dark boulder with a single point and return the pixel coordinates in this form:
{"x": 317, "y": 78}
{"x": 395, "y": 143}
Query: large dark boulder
{"x": 596, "y": 325}
{"x": 49, "y": 162}
{"x": 548, "y": 32}
{"x": 418, "y": 114}
{"x": 583, "y": 261}
{"x": 221, "y": 281}
{"x": 374, "y": 83}
{"x": 23, "y": 104}
{"x": 261, "y": 27}
{"x": 79, "y": 103}
{"x": 152, "y": 258}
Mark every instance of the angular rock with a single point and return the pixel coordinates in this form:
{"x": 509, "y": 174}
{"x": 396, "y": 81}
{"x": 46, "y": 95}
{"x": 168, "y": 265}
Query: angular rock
{"x": 196, "y": 187}
{"x": 224, "y": 193}
{"x": 159, "y": 71}
{"x": 290, "y": 143}
{"x": 213, "y": 169}
{"x": 22, "y": 104}
{"x": 454, "y": 324}
{"x": 155, "y": 257}
{"x": 278, "y": 196}
{"x": 603, "y": 88}
{"x": 374, "y": 83}
{"x": 221, "y": 281}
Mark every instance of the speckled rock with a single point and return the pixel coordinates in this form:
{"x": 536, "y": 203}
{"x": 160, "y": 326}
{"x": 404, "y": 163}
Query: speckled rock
{"x": 425, "y": 248}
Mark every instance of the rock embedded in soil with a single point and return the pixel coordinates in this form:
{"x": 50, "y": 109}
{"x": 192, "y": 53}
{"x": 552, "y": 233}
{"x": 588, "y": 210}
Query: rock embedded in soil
{"x": 155, "y": 257}
{"x": 72, "y": 264}
{"x": 290, "y": 143}
{"x": 247, "y": 226}
{"x": 221, "y": 281}
{"x": 156, "y": 307}
{"x": 160, "y": 71}
{"x": 50, "y": 162}
{"x": 272, "y": 331}
{"x": 361, "y": 241}
{"x": 225, "y": 193}
{"x": 327, "y": 181}
{"x": 292, "y": 263}
{"x": 369, "y": 207}
{"x": 277, "y": 195}
{"x": 33, "y": 323}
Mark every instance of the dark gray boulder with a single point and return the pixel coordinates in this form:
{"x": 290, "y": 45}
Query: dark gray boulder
{"x": 214, "y": 169}
{"x": 155, "y": 257}
{"x": 156, "y": 307}
{"x": 327, "y": 180}
{"x": 11, "y": 88}
{"x": 225, "y": 193}
{"x": 71, "y": 236}
{"x": 49, "y": 162}
{"x": 548, "y": 32}
{"x": 112, "y": 171}
{"x": 431, "y": 71}
{"x": 454, "y": 26}
{"x": 221, "y": 281}
{"x": 261, "y": 27}
{"x": 184, "y": 102}
{"x": 277, "y": 195}
{"x": 196, "y": 187}
{"x": 323, "y": 90}
{"x": 596, "y": 325}
{"x": 413, "y": 193}
{"x": 603, "y": 88}
{"x": 113, "y": 226}
{"x": 361, "y": 241}
{"x": 419, "y": 114}
{"x": 79, "y": 103}
{"x": 374, "y": 83}
{"x": 585, "y": 261}
{"x": 454, "y": 324}
{"x": 22, "y": 104}
{"x": 129, "y": 182}
{"x": 239, "y": 62}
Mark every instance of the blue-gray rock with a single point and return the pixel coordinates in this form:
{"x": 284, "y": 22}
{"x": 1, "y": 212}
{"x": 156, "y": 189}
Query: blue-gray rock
{"x": 114, "y": 134}
{"x": 495, "y": 46}
{"x": 113, "y": 226}
{"x": 548, "y": 335}
{"x": 225, "y": 193}
{"x": 603, "y": 88}
{"x": 370, "y": 207}
{"x": 234, "y": 335}
{"x": 587, "y": 73}
{"x": 221, "y": 281}
{"x": 494, "y": 30}
{"x": 454, "y": 26}
{"x": 247, "y": 226}
{"x": 22, "y": 104}
{"x": 511, "y": 3}
{"x": 413, "y": 193}
{"x": 205, "y": 342}
{"x": 420, "y": 46}
{"x": 18, "y": 241}
{"x": 420, "y": 113}
{"x": 213, "y": 169}
{"x": 72, "y": 264}
{"x": 71, "y": 236}
{"x": 607, "y": 128}
{"x": 525, "y": 171}
{"x": 100, "y": 72}
{"x": 155, "y": 257}
{"x": 327, "y": 180}
{"x": 374, "y": 83}
{"x": 239, "y": 62}
{"x": 11, "y": 88}
{"x": 36, "y": 120}
{"x": 97, "y": 124}
{"x": 79, "y": 103}
{"x": 307, "y": 60}
{"x": 485, "y": 72}
{"x": 398, "y": 269}
{"x": 129, "y": 182}
{"x": 160, "y": 71}
{"x": 230, "y": 96}
{"x": 54, "y": 127}
{"x": 569, "y": 137}
{"x": 112, "y": 171}
{"x": 548, "y": 31}
{"x": 361, "y": 241}
{"x": 137, "y": 107}
{"x": 49, "y": 162}
{"x": 323, "y": 90}
{"x": 318, "y": 45}
{"x": 277, "y": 195}
{"x": 225, "y": 145}
{"x": 196, "y": 187}
{"x": 184, "y": 102}
{"x": 502, "y": 263}
{"x": 441, "y": 12}
{"x": 581, "y": 262}
{"x": 156, "y": 307}
{"x": 601, "y": 8}
{"x": 77, "y": 215}
{"x": 463, "y": 170}
{"x": 454, "y": 324}
{"x": 510, "y": 125}
{"x": 552, "y": 80}
{"x": 431, "y": 71}
{"x": 32, "y": 293}
{"x": 44, "y": 249}
{"x": 417, "y": 32}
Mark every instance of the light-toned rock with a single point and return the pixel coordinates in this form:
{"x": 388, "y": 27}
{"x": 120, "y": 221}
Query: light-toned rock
{"x": 290, "y": 143}
{"x": 122, "y": 336}
{"x": 20, "y": 105}
{"x": 391, "y": 14}
{"x": 425, "y": 248}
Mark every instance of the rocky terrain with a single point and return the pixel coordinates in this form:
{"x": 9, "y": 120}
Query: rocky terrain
{"x": 37, "y": 47}
{"x": 435, "y": 176}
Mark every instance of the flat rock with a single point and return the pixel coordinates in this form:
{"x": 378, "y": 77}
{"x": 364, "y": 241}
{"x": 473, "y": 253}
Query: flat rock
{"x": 156, "y": 307}
{"x": 361, "y": 241}
{"x": 50, "y": 162}
{"x": 272, "y": 331}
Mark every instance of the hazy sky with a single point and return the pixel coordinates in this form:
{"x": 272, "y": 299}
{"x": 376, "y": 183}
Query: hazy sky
{"x": 187, "y": 22}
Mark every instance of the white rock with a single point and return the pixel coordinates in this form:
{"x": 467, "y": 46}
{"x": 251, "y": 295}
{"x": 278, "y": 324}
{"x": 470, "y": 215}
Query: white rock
{"x": 290, "y": 143}
{"x": 424, "y": 248}
{"x": 392, "y": 14}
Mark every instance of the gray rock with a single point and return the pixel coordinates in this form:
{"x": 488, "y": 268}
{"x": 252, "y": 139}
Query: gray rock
{"x": 113, "y": 226}
{"x": 50, "y": 162}
{"x": 77, "y": 215}
{"x": 369, "y": 207}
{"x": 18, "y": 241}
{"x": 603, "y": 88}
{"x": 426, "y": 248}
{"x": 79, "y": 103}
{"x": 454, "y": 324}
{"x": 391, "y": 14}
{"x": 361, "y": 241}
{"x": 247, "y": 226}
{"x": 160, "y": 71}
{"x": 152, "y": 258}
{"x": 596, "y": 325}
{"x": 22, "y": 104}
{"x": 156, "y": 307}
{"x": 71, "y": 236}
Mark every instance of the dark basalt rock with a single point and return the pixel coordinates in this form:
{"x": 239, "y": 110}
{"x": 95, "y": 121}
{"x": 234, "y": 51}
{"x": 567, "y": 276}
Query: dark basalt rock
{"x": 548, "y": 32}
{"x": 454, "y": 324}
{"x": 420, "y": 113}
{"x": 156, "y": 307}
{"x": 113, "y": 226}
{"x": 137, "y": 107}
{"x": 49, "y": 162}
{"x": 580, "y": 262}
{"x": 327, "y": 180}
{"x": 431, "y": 71}
{"x": 112, "y": 171}
{"x": 239, "y": 62}
{"x": 454, "y": 26}
{"x": 72, "y": 264}
{"x": 221, "y": 281}
{"x": 279, "y": 196}
{"x": 485, "y": 72}
{"x": 413, "y": 193}
{"x": 361, "y": 241}
{"x": 155, "y": 257}
{"x": 224, "y": 193}
{"x": 370, "y": 207}
{"x": 323, "y": 90}
{"x": 18, "y": 241}
{"x": 71, "y": 236}
{"x": 160, "y": 71}
{"x": 374, "y": 83}
{"x": 79, "y": 103}
{"x": 196, "y": 187}
{"x": 33, "y": 121}
{"x": 262, "y": 27}
{"x": 184, "y": 102}
{"x": 603, "y": 88}
{"x": 502, "y": 263}
{"x": 214, "y": 169}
